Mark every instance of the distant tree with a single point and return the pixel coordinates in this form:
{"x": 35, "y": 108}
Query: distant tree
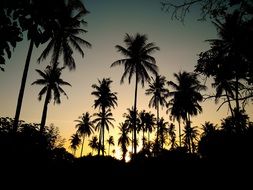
{"x": 138, "y": 61}
{"x": 110, "y": 142}
{"x": 190, "y": 137}
{"x": 123, "y": 140}
{"x": 163, "y": 133}
{"x": 105, "y": 99}
{"x": 52, "y": 82}
{"x": 85, "y": 127}
{"x": 172, "y": 136}
{"x": 93, "y": 144}
{"x": 159, "y": 94}
{"x": 103, "y": 121}
{"x": 75, "y": 141}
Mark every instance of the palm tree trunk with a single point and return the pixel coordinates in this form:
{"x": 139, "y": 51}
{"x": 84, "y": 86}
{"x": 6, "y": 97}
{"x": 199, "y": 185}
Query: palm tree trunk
{"x": 103, "y": 129}
{"x": 237, "y": 94}
{"x": 82, "y": 148}
{"x": 22, "y": 87}
{"x": 99, "y": 142}
{"x": 109, "y": 150}
{"x": 135, "y": 103}
{"x": 179, "y": 126}
{"x": 229, "y": 104}
{"x": 44, "y": 113}
{"x": 157, "y": 123}
{"x": 143, "y": 137}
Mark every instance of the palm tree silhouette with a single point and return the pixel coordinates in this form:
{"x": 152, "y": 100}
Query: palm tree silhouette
{"x": 105, "y": 100}
{"x": 159, "y": 94}
{"x": 110, "y": 142}
{"x": 138, "y": 61}
{"x": 123, "y": 140}
{"x": 84, "y": 127}
{"x": 66, "y": 34}
{"x": 103, "y": 120}
{"x": 75, "y": 141}
{"x": 163, "y": 132}
{"x": 52, "y": 82}
{"x": 93, "y": 143}
{"x": 185, "y": 97}
{"x": 172, "y": 136}
{"x": 32, "y": 18}
{"x": 189, "y": 137}
{"x": 150, "y": 123}
{"x": 130, "y": 117}
{"x": 208, "y": 128}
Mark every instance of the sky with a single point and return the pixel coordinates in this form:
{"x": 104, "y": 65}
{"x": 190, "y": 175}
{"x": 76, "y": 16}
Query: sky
{"x": 108, "y": 22}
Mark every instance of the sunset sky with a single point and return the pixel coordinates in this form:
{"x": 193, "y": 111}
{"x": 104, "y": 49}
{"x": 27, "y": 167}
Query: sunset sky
{"x": 108, "y": 22}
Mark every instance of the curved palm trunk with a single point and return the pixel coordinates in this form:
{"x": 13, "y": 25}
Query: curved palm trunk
{"x": 81, "y": 154}
{"x": 22, "y": 87}
{"x": 135, "y": 103}
{"x": 188, "y": 123}
{"x": 44, "y": 113}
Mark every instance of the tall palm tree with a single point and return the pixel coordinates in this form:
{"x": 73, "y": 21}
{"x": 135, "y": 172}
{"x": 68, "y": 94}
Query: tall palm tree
{"x": 159, "y": 94}
{"x": 102, "y": 121}
{"x": 185, "y": 97}
{"x": 75, "y": 141}
{"x": 85, "y": 127}
{"x": 110, "y": 142}
{"x": 52, "y": 82}
{"x": 105, "y": 99}
{"x": 138, "y": 61}
{"x": 37, "y": 22}
{"x": 123, "y": 140}
{"x": 93, "y": 143}
{"x": 65, "y": 33}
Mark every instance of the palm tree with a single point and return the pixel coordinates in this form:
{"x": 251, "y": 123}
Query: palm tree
{"x": 32, "y": 18}
{"x": 85, "y": 127}
{"x": 162, "y": 136}
{"x": 159, "y": 94}
{"x": 93, "y": 143}
{"x": 74, "y": 142}
{"x": 105, "y": 99}
{"x": 102, "y": 121}
{"x": 150, "y": 123}
{"x": 52, "y": 82}
{"x": 110, "y": 142}
{"x": 172, "y": 136}
{"x": 65, "y": 34}
{"x": 208, "y": 128}
{"x": 138, "y": 61}
{"x": 189, "y": 137}
{"x": 123, "y": 140}
{"x": 130, "y": 117}
{"x": 185, "y": 98}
